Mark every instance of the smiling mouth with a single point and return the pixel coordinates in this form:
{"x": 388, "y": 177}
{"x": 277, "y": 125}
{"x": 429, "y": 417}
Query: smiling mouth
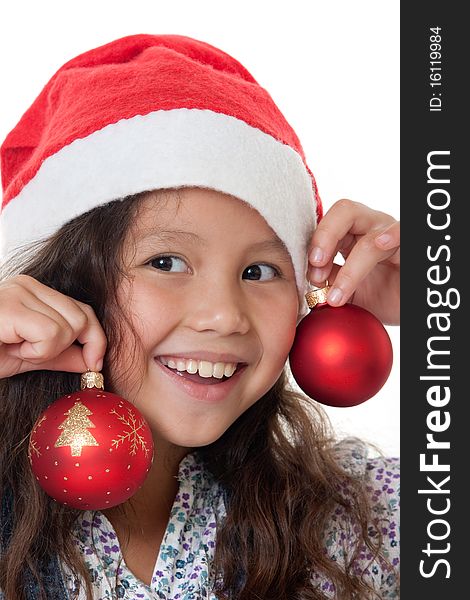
{"x": 196, "y": 378}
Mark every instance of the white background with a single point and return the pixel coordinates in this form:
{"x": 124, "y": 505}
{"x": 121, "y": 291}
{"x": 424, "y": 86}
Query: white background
{"x": 331, "y": 67}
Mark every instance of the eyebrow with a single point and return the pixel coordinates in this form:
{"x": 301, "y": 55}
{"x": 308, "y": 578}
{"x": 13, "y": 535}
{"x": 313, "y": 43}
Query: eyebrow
{"x": 275, "y": 244}
{"x": 173, "y": 235}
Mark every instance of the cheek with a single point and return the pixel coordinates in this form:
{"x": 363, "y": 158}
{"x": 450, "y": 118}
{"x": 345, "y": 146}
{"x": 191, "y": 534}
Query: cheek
{"x": 280, "y": 328}
{"x": 151, "y": 311}
{"x": 151, "y": 317}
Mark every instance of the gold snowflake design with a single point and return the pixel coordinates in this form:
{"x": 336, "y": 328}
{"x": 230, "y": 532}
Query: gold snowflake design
{"x": 136, "y": 439}
{"x": 33, "y": 447}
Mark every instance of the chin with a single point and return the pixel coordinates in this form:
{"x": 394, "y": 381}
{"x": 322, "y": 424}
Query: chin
{"x": 193, "y": 438}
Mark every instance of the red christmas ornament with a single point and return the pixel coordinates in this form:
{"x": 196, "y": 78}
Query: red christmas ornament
{"x": 342, "y": 355}
{"x": 91, "y": 449}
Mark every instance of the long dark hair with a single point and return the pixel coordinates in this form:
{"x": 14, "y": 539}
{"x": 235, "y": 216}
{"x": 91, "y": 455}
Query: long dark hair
{"x": 277, "y": 461}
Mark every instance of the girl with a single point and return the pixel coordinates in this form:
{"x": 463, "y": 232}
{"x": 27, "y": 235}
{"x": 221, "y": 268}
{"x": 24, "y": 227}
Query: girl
{"x": 158, "y": 216}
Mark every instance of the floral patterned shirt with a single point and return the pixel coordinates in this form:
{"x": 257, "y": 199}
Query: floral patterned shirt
{"x": 183, "y": 567}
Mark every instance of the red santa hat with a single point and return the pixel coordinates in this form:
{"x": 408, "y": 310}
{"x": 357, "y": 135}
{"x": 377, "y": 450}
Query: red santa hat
{"x": 154, "y": 111}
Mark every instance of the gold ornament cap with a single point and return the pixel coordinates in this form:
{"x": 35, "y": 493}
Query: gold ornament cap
{"x": 92, "y": 379}
{"x": 317, "y": 296}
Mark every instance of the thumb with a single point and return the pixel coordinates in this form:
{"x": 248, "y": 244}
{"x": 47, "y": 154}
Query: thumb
{"x": 70, "y": 360}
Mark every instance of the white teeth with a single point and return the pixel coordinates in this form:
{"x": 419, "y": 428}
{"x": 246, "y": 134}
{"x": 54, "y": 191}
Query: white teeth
{"x": 191, "y": 366}
{"x": 229, "y": 370}
{"x": 203, "y": 367}
{"x": 219, "y": 369}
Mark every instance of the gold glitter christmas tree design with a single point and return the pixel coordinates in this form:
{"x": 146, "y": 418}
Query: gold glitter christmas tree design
{"x": 75, "y": 428}
{"x": 136, "y": 440}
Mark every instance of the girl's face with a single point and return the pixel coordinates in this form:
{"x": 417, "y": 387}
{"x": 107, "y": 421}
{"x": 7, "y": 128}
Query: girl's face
{"x": 208, "y": 281}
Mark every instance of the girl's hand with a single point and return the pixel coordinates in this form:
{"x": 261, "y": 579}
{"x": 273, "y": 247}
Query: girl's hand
{"x": 38, "y": 328}
{"x": 369, "y": 240}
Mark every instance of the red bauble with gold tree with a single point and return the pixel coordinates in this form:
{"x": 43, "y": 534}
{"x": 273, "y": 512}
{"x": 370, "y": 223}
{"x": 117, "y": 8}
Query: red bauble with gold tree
{"x": 91, "y": 449}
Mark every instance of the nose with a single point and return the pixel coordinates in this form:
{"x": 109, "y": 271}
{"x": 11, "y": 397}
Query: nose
{"x": 220, "y": 307}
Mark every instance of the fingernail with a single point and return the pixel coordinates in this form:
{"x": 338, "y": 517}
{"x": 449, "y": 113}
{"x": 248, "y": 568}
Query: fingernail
{"x": 318, "y": 275}
{"x": 99, "y": 365}
{"x": 334, "y": 295}
{"x": 383, "y": 240}
{"x": 316, "y": 255}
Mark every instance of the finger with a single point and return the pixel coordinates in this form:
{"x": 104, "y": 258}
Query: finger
{"x": 70, "y": 360}
{"x": 344, "y": 217}
{"x": 394, "y": 259}
{"x": 81, "y": 318}
{"x": 47, "y": 322}
{"x": 49, "y": 338}
{"x": 40, "y": 334}
{"x": 363, "y": 258}
{"x": 46, "y": 340}
{"x": 385, "y": 239}
{"x": 30, "y": 321}
{"x": 318, "y": 275}
{"x": 389, "y": 238}
{"x": 93, "y": 339}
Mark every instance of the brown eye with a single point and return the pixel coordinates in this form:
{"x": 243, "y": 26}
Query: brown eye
{"x": 171, "y": 264}
{"x": 260, "y": 272}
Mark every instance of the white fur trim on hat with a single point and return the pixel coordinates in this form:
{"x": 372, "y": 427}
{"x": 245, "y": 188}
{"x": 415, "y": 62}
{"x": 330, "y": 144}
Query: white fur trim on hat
{"x": 166, "y": 149}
